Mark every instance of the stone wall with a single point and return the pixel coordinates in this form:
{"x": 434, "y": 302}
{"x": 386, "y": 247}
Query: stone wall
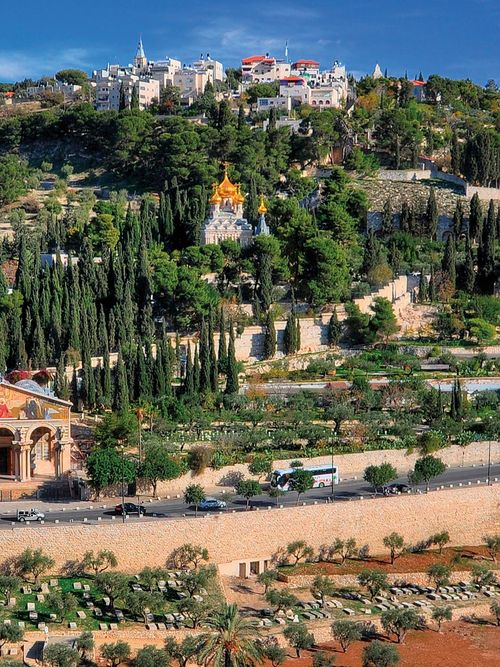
{"x": 467, "y": 514}
{"x": 350, "y": 465}
{"x": 484, "y": 194}
{"x": 351, "y": 580}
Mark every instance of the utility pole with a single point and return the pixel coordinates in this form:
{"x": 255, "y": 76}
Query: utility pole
{"x": 123, "y": 482}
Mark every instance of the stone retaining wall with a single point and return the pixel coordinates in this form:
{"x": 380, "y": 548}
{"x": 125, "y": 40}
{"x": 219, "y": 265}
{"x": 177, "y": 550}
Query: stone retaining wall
{"x": 351, "y": 581}
{"x": 350, "y": 465}
{"x": 467, "y": 514}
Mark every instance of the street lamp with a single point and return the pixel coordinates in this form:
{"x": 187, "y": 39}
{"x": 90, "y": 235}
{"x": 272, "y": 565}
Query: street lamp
{"x": 333, "y": 477}
{"x": 122, "y": 450}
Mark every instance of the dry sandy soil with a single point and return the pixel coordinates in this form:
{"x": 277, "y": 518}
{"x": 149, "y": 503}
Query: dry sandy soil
{"x": 458, "y": 645}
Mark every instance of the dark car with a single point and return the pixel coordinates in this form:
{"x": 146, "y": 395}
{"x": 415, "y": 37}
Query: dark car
{"x": 394, "y": 489}
{"x": 130, "y": 508}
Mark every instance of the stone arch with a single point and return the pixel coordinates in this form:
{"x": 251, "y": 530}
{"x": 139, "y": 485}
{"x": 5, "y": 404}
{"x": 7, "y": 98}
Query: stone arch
{"x": 42, "y": 439}
{"x": 7, "y": 455}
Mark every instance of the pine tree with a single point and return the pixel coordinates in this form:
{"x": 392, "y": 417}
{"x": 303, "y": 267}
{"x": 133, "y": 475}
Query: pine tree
{"x": 456, "y": 154}
{"x": 269, "y": 337}
{"x": 475, "y": 217}
{"x": 232, "y": 381}
{"x": 334, "y": 329}
{"x": 450, "y": 260}
{"x": 222, "y": 353}
{"x": 432, "y": 215}
{"x": 241, "y": 117}
{"x": 387, "y": 219}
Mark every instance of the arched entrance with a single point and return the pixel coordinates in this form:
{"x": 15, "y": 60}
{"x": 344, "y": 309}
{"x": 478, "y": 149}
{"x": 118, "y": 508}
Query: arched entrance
{"x": 7, "y": 464}
{"x": 43, "y": 452}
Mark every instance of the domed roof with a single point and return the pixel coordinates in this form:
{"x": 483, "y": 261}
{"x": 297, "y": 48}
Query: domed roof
{"x": 227, "y": 189}
{"x": 262, "y": 205}
{"x": 31, "y": 385}
{"x": 215, "y": 198}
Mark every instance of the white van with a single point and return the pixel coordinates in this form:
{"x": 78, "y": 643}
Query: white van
{"x": 30, "y": 515}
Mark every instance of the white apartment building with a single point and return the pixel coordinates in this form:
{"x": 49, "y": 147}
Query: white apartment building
{"x": 211, "y": 65}
{"x": 67, "y": 89}
{"x": 108, "y": 91}
{"x": 296, "y": 89}
{"x": 263, "y": 69}
{"x": 307, "y": 69}
{"x": 191, "y": 82}
{"x": 164, "y": 71}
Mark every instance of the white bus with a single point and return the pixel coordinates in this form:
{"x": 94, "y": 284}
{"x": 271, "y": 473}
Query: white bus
{"x": 322, "y": 475}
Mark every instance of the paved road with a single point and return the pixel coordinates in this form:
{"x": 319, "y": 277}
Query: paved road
{"x": 175, "y": 508}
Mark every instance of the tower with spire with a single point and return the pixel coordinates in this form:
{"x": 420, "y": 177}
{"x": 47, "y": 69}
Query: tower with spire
{"x": 262, "y": 226}
{"x": 140, "y": 60}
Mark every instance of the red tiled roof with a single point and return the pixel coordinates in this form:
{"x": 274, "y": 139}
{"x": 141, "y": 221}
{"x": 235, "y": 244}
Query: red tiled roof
{"x": 418, "y": 83}
{"x": 252, "y": 59}
{"x": 305, "y": 62}
{"x": 293, "y": 78}
{"x": 8, "y": 94}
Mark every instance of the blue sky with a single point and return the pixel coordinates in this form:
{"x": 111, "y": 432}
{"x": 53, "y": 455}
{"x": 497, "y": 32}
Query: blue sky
{"x": 455, "y": 38}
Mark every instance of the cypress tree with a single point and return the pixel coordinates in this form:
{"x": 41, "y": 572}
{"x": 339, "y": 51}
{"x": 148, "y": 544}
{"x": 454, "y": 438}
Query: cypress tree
{"x": 106, "y": 379}
{"x": 290, "y": 335}
{"x": 423, "y": 294}
{"x": 61, "y": 388}
{"x": 205, "y": 371}
{"x": 134, "y": 98}
{"x": 334, "y": 329}
{"x": 98, "y": 385}
{"x": 4, "y": 349}
{"x": 241, "y": 117}
{"x": 469, "y": 275}
{"x": 432, "y": 215}
{"x": 404, "y": 220}
{"x": 252, "y": 203}
{"x": 143, "y": 293}
{"x": 265, "y": 278}
{"x": 413, "y": 223}
{"x": 222, "y": 353}
{"x": 196, "y": 371}
{"x": 387, "y": 219}
{"x": 458, "y": 219}
{"x": 456, "y": 154}
{"x": 214, "y": 369}
{"x": 178, "y": 354}
{"x": 432, "y": 286}
{"x": 298, "y": 341}
{"x": 232, "y": 382}
{"x": 188, "y": 387}
{"x": 121, "y": 394}
{"x": 122, "y": 105}
{"x": 475, "y": 217}
{"x": 142, "y": 387}
{"x": 498, "y": 223}
{"x": 165, "y": 220}
{"x": 450, "y": 260}
{"x": 159, "y": 381}
{"x": 486, "y": 257}
{"x": 491, "y": 216}
{"x": 74, "y": 389}
{"x": 269, "y": 337}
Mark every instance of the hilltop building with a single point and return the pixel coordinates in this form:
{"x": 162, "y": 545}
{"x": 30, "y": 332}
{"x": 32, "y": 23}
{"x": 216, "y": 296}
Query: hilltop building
{"x": 226, "y": 220}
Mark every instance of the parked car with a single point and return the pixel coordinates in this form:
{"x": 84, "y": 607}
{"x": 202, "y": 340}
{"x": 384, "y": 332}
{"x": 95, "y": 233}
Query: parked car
{"x": 394, "y": 489}
{"x": 212, "y": 504}
{"x": 30, "y": 515}
{"x": 130, "y": 508}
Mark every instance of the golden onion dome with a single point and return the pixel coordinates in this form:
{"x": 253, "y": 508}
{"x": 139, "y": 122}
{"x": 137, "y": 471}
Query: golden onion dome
{"x": 238, "y": 197}
{"x": 262, "y": 206}
{"x": 226, "y": 189}
{"x": 215, "y": 198}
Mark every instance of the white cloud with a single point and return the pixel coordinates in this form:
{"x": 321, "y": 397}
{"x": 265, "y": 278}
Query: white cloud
{"x": 18, "y": 65}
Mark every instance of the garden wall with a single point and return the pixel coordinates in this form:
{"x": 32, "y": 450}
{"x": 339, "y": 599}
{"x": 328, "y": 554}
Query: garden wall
{"x": 467, "y": 514}
{"x": 350, "y": 465}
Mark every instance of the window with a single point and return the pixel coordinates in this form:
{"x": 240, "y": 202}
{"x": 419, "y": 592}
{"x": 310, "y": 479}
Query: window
{"x": 42, "y": 450}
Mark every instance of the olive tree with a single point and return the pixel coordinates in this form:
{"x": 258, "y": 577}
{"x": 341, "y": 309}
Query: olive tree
{"x": 346, "y": 632}
{"x": 374, "y": 581}
{"x": 439, "y": 574}
{"x": 380, "y": 654}
{"x": 299, "y": 637}
{"x": 322, "y": 588}
{"x": 100, "y": 561}
{"x": 396, "y": 544}
{"x": 441, "y": 614}
{"x": 399, "y": 621}
{"x": 299, "y": 550}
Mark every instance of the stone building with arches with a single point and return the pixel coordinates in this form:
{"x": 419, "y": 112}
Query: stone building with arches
{"x": 35, "y": 433}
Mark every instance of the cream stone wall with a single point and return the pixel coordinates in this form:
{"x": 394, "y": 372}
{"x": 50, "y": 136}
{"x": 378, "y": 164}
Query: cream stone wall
{"x": 350, "y": 465}
{"x": 467, "y": 514}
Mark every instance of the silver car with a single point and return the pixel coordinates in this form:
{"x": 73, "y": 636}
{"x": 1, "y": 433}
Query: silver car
{"x": 212, "y": 504}
{"x": 30, "y": 515}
